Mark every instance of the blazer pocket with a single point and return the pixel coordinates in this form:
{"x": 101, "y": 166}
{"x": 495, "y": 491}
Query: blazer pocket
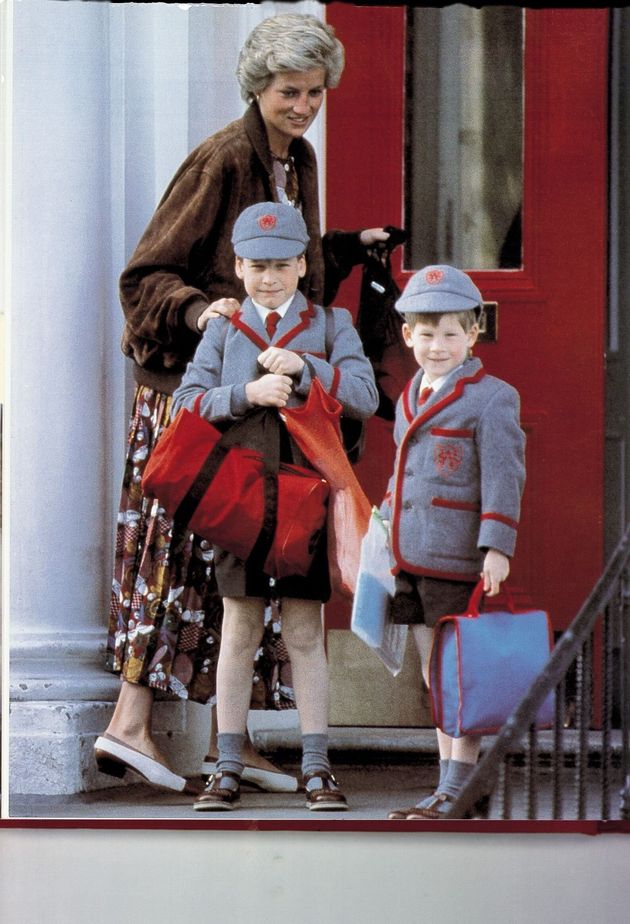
{"x": 453, "y": 529}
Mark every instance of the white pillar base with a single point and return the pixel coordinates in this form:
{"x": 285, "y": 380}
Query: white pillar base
{"x": 61, "y": 700}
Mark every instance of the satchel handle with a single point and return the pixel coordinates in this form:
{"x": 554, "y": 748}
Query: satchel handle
{"x": 474, "y": 603}
{"x": 477, "y": 595}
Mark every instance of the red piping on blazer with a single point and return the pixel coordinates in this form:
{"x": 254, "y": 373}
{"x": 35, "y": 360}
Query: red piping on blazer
{"x": 501, "y": 518}
{"x": 251, "y": 334}
{"x": 445, "y": 431}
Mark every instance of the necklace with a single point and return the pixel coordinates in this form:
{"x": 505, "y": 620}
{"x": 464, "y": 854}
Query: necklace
{"x": 286, "y": 179}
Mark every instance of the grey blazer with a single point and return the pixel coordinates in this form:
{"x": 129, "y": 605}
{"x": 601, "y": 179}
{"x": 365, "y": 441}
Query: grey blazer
{"x": 226, "y": 360}
{"x": 458, "y": 477}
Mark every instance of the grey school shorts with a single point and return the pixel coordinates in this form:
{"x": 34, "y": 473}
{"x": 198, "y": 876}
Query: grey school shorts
{"x": 237, "y": 578}
{"x": 420, "y": 600}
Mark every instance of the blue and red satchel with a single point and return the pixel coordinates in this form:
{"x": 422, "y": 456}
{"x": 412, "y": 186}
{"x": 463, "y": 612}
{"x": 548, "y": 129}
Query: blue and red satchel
{"x": 482, "y": 665}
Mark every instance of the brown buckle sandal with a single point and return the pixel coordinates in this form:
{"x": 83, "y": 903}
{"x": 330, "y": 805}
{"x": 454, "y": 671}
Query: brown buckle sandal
{"x": 217, "y": 798}
{"x": 327, "y": 797}
{"x": 440, "y": 806}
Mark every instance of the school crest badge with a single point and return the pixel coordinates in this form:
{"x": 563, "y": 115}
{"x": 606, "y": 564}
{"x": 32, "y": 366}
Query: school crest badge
{"x": 447, "y": 456}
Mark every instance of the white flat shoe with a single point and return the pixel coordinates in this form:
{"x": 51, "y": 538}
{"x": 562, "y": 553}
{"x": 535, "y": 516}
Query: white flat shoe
{"x": 268, "y": 780}
{"x": 115, "y": 758}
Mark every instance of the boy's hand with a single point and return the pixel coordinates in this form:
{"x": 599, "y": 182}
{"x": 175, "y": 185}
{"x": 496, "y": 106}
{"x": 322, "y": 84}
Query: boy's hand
{"x": 222, "y": 306}
{"x": 269, "y": 390}
{"x": 496, "y": 567}
{"x": 282, "y": 362}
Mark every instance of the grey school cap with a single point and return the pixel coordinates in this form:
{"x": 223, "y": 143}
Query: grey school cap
{"x": 439, "y": 289}
{"x": 269, "y": 231}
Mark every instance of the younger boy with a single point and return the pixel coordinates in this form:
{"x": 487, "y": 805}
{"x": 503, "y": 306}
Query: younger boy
{"x": 267, "y": 355}
{"x": 454, "y": 497}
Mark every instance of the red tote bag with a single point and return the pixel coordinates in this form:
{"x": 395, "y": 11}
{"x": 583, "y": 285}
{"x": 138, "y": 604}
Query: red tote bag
{"x": 315, "y": 428}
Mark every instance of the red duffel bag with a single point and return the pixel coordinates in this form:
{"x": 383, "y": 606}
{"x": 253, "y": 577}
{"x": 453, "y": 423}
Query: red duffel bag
{"x": 241, "y": 500}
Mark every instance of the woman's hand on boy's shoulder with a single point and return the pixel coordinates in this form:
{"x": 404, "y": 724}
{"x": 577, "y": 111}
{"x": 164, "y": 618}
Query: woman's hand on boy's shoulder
{"x": 222, "y": 307}
{"x": 281, "y": 362}
{"x": 269, "y": 390}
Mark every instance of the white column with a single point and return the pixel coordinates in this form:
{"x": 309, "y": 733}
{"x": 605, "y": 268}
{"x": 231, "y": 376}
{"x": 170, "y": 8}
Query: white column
{"x": 107, "y": 100}
{"x": 65, "y": 387}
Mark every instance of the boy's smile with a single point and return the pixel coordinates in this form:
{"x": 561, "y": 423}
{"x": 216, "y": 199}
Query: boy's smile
{"x": 270, "y": 282}
{"x": 440, "y": 348}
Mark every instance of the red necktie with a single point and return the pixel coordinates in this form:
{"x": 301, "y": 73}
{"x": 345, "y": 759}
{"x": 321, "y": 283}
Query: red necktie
{"x": 271, "y": 322}
{"x": 425, "y": 394}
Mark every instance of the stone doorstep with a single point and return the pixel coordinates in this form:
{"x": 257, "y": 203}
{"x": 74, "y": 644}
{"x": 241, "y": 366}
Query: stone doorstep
{"x": 408, "y": 741}
{"x": 51, "y": 743}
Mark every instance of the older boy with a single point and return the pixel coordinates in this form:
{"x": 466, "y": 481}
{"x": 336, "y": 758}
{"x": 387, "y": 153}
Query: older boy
{"x": 267, "y": 355}
{"x": 454, "y": 497}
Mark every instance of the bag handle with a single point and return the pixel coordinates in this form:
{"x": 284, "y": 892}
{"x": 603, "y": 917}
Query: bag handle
{"x": 474, "y": 603}
{"x": 476, "y": 597}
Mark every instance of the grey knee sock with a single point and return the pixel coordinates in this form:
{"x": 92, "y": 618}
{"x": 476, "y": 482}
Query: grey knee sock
{"x": 315, "y": 754}
{"x": 444, "y": 764}
{"x": 457, "y": 777}
{"x": 230, "y": 751}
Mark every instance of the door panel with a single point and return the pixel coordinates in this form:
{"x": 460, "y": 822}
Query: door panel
{"x": 551, "y": 311}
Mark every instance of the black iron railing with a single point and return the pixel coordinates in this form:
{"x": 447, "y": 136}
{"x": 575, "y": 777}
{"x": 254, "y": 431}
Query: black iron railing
{"x": 580, "y": 769}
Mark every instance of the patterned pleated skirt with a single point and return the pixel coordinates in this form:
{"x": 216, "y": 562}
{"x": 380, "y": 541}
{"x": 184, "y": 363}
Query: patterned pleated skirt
{"x": 165, "y": 614}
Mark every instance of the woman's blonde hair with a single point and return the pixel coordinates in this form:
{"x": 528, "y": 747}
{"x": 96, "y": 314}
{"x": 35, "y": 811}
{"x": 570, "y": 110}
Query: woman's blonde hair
{"x": 288, "y": 42}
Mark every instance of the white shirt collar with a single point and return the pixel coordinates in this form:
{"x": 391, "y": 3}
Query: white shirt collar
{"x": 281, "y": 309}
{"x": 436, "y": 384}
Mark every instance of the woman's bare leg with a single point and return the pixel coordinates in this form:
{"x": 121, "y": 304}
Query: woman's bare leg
{"x": 131, "y": 721}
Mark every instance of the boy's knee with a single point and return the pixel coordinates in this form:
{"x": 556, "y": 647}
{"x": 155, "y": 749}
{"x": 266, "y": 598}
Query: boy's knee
{"x": 242, "y": 628}
{"x": 303, "y": 636}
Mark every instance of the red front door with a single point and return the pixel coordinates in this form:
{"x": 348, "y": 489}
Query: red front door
{"x": 551, "y": 310}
